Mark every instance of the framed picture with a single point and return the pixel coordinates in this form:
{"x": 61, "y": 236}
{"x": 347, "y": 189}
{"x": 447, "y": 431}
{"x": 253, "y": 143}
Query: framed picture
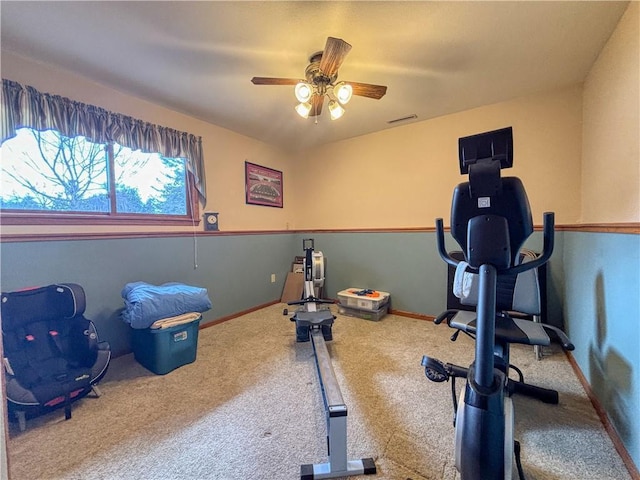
{"x": 262, "y": 185}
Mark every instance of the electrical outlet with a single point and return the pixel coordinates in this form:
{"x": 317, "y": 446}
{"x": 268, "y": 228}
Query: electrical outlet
{"x": 273, "y": 278}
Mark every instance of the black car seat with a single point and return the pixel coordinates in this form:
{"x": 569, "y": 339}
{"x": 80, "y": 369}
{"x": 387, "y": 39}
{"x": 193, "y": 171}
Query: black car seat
{"x": 52, "y": 355}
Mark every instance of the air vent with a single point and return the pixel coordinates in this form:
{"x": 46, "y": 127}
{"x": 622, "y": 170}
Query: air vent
{"x": 403, "y": 119}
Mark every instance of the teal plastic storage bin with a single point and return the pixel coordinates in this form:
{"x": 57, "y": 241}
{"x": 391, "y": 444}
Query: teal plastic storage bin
{"x": 164, "y": 350}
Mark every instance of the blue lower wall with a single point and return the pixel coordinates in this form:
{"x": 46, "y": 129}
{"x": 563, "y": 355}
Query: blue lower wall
{"x": 602, "y": 315}
{"x": 593, "y": 286}
{"x": 236, "y": 270}
{"x": 407, "y": 265}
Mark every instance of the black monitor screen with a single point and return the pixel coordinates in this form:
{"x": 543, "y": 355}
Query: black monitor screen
{"x": 495, "y": 145}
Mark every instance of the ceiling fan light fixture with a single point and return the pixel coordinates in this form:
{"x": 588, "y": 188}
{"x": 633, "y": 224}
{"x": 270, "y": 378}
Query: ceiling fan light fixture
{"x": 343, "y": 92}
{"x": 321, "y": 80}
{"x": 303, "y": 109}
{"x": 335, "y": 110}
{"x": 303, "y": 92}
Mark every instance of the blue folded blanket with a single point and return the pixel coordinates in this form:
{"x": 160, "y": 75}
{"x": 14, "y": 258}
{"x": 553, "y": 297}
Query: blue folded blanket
{"x": 146, "y": 303}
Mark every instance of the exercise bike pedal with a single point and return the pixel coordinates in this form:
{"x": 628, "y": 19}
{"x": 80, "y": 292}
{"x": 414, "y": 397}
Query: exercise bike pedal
{"x": 434, "y": 369}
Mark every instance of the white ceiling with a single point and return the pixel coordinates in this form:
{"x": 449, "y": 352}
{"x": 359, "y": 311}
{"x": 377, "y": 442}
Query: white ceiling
{"x": 198, "y": 57}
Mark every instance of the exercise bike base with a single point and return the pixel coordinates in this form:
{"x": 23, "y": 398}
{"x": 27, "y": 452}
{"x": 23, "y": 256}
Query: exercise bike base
{"x": 366, "y": 466}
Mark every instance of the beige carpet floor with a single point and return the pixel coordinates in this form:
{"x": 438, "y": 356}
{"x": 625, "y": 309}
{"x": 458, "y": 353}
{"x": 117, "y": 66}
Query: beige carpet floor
{"x": 250, "y": 407}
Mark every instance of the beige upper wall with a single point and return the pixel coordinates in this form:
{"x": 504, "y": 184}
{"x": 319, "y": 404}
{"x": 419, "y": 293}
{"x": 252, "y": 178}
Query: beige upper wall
{"x": 224, "y": 151}
{"x": 611, "y": 135}
{"x": 404, "y": 177}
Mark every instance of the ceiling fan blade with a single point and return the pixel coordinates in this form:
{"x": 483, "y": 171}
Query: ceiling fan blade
{"x": 368, "y": 90}
{"x": 316, "y": 105}
{"x": 334, "y": 53}
{"x": 274, "y": 81}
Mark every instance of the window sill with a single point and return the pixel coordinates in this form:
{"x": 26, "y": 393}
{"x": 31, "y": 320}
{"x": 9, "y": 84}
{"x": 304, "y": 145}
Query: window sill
{"x": 87, "y": 219}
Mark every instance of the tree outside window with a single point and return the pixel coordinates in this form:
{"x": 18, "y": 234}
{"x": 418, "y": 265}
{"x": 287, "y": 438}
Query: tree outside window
{"x": 46, "y": 172}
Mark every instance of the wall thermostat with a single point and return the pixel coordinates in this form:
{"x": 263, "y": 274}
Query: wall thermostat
{"x": 211, "y": 221}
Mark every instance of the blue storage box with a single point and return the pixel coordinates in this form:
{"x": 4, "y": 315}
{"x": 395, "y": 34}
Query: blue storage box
{"x": 162, "y": 350}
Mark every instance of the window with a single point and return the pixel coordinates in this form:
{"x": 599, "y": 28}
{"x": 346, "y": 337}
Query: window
{"x": 149, "y": 183}
{"x": 49, "y": 172}
{"x": 66, "y": 162}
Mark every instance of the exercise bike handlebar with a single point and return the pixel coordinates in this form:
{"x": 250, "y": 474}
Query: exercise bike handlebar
{"x": 438, "y": 371}
{"x": 548, "y": 234}
{"x": 547, "y": 250}
{"x": 446, "y": 315}
{"x": 441, "y": 248}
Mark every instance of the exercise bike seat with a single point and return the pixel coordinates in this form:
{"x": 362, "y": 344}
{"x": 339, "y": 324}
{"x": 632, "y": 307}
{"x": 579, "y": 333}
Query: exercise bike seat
{"x": 507, "y": 328}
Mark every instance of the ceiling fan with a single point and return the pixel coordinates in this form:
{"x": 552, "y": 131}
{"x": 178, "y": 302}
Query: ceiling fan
{"x": 320, "y": 82}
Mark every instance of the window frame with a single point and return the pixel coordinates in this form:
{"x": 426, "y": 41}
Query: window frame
{"x": 40, "y": 217}
{"x": 25, "y": 106}
{"x": 25, "y": 217}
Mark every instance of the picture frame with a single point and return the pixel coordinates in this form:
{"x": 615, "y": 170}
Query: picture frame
{"x": 263, "y": 185}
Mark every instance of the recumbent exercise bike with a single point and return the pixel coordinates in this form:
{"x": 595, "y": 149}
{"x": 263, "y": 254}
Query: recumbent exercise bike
{"x": 491, "y": 219}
